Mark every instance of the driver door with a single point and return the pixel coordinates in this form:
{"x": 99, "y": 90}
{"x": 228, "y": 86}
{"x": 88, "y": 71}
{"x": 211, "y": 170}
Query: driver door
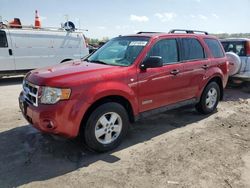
{"x": 161, "y": 86}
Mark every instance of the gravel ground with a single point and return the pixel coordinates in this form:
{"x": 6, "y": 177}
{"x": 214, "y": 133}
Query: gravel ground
{"x": 179, "y": 148}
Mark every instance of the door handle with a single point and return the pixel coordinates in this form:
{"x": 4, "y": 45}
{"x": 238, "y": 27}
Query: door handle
{"x": 10, "y": 52}
{"x": 175, "y": 72}
{"x": 205, "y": 67}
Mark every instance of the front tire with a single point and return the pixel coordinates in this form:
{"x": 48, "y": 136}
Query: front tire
{"x": 209, "y": 99}
{"x": 106, "y": 127}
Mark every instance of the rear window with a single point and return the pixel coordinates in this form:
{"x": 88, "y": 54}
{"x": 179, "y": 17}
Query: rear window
{"x": 215, "y": 48}
{"x": 3, "y": 40}
{"x": 237, "y": 47}
{"x": 192, "y": 49}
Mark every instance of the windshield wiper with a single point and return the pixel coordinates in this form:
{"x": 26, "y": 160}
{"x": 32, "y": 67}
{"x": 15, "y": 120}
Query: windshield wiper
{"x": 98, "y": 61}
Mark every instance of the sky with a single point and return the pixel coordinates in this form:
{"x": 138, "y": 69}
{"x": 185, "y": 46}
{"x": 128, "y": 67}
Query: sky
{"x": 110, "y": 18}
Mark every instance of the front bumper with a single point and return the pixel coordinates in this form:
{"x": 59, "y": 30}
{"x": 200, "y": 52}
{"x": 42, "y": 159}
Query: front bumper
{"x": 60, "y": 118}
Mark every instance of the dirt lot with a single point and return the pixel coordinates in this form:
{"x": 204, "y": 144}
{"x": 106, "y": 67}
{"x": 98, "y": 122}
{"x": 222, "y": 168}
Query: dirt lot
{"x": 180, "y": 148}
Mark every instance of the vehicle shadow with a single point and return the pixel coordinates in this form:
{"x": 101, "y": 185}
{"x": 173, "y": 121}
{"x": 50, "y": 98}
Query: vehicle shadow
{"x": 28, "y": 155}
{"x": 236, "y": 94}
{"x": 11, "y": 81}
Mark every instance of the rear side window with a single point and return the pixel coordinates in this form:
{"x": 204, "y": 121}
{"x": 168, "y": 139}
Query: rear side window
{"x": 191, "y": 49}
{"x": 237, "y": 47}
{"x": 3, "y": 40}
{"x": 167, "y": 49}
{"x": 215, "y": 47}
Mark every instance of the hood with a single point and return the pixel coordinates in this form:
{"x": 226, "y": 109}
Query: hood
{"x": 71, "y": 73}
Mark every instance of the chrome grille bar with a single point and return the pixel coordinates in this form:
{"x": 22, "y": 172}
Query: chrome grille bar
{"x": 30, "y": 92}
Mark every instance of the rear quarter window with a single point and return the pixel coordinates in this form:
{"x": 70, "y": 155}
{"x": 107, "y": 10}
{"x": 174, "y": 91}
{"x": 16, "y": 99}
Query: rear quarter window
{"x": 214, "y": 47}
{"x": 3, "y": 40}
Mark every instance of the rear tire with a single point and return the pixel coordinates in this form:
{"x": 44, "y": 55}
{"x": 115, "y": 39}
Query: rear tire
{"x": 209, "y": 99}
{"x": 106, "y": 127}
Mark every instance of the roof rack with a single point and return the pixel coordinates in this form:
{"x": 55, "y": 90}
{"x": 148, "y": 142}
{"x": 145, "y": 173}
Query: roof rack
{"x": 31, "y": 27}
{"x": 187, "y": 31}
{"x": 146, "y": 32}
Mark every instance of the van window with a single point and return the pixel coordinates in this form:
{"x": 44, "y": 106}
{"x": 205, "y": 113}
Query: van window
{"x": 167, "y": 49}
{"x": 192, "y": 49}
{"x": 3, "y": 40}
{"x": 215, "y": 48}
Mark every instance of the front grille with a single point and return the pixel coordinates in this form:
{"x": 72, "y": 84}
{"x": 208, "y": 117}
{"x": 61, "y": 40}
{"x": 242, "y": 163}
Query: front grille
{"x": 30, "y": 92}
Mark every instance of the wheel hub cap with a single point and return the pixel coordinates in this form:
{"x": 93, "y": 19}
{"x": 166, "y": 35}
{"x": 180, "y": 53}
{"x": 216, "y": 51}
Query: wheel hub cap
{"x": 108, "y": 128}
{"x": 211, "y": 98}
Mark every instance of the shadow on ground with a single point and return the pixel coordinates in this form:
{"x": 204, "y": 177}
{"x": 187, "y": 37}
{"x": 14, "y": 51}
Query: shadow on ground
{"x": 28, "y": 155}
{"x": 237, "y": 93}
{"x": 11, "y": 81}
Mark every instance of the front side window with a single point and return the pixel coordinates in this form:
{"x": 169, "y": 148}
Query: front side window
{"x": 191, "y": 49}
{"x": 3, "y": 40}
{"x": 121, "y": 51}
{"x": 167, "y": 49}
{"x": 215, "y": 47}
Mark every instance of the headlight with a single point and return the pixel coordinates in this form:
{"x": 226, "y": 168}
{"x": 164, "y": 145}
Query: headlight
{"x": 52, "y": 95}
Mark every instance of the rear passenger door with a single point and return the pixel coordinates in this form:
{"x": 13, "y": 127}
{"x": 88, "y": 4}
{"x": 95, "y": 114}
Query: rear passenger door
{"x": 195, "y": 64}
{"x": 7, "y": 62}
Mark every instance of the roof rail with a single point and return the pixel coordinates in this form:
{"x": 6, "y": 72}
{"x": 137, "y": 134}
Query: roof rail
{"x": 146, "y": 32}
{"x": 188, "y": 31}
{"x": 31, "y": 27}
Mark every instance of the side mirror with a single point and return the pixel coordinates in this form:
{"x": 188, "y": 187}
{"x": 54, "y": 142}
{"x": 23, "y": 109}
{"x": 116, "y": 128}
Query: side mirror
{"x": 151, "y": 62}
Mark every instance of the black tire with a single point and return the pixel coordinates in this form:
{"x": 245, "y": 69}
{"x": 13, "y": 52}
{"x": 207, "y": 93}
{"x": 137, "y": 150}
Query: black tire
{"x": 89, "y": 130}
{"x": 204, "y": 108}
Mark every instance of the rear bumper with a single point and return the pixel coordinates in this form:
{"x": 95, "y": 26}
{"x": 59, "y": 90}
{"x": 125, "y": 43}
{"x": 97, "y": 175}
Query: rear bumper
{"x": 242, "y": 76}
{"x": 60, "y": 118}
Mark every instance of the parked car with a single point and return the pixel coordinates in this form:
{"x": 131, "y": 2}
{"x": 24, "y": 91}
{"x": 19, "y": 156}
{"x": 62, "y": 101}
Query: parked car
{"x": 23, "y": 49}
{"x": 129, "y": 78}
{"x": 241, "y": 47}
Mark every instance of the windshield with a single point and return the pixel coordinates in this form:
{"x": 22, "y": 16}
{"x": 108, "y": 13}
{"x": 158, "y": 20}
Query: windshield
{"x": 121, "y": 51}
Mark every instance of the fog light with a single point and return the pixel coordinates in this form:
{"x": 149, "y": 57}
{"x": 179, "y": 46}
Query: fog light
{"x": 49, "y": 124}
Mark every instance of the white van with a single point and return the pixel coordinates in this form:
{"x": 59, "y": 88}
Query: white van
{"x": 23, "y": 49}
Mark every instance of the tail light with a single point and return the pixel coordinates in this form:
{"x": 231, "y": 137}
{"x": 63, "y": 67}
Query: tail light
{"x": 247, "y": 46}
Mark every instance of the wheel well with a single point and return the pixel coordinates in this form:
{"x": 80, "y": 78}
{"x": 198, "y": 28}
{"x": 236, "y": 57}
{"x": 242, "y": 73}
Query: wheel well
{"x": 219, "y": 82}
{"x": 65, "y": 60}
{"x": 118, "y": 99}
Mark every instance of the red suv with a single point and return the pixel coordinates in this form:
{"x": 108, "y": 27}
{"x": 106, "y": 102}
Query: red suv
{"x": 128, "y": 78}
